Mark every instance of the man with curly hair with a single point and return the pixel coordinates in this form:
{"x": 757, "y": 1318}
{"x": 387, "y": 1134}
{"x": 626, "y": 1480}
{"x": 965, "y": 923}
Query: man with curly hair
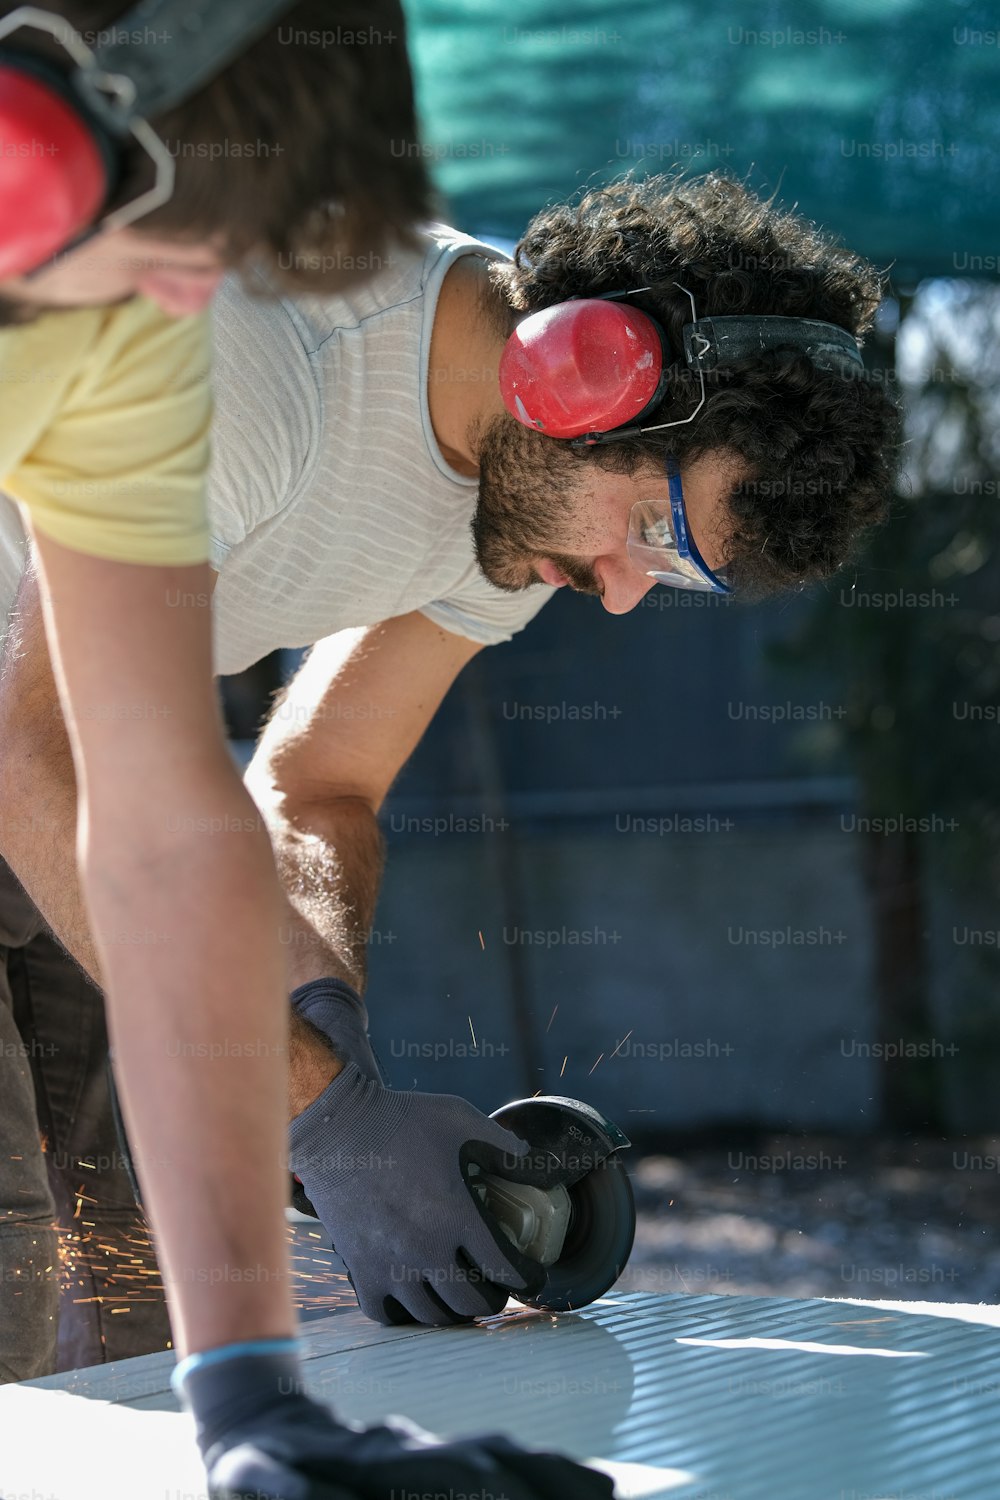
{"x": 783, "y": 469}
{"x": 368, "y": 479}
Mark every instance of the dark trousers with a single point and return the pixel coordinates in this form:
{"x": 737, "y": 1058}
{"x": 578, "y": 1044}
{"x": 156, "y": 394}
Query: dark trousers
{"x": 79, "y": 1283}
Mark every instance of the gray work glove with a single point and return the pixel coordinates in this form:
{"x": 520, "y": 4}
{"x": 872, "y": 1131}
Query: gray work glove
{"x": 261, "y": 1436}
{"x": 388, "y": 1174}
{"x": 337, "y": 1010}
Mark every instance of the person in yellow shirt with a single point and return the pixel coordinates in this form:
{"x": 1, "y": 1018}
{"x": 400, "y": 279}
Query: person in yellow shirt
{"x": 104, "y": 429}
{"x": 146, "y": 151}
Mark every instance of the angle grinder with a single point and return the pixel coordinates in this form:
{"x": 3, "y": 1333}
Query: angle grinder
{"x": 581, "y": 1231}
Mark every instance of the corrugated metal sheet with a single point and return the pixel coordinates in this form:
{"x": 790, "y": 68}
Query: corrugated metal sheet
{"x": 695, "y": 1398}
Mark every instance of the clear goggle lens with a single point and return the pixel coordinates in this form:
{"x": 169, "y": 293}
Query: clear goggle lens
{"x": 654, "y": 550}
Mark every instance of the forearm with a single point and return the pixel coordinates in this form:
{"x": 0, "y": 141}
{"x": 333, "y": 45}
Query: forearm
{"x": 37, "y": 836}
{"x": 336, "y": 741}
{"x": 184, "y": 904}
{"x": 194, "y": 994}
{"x": 38, "y": 782}
{"x": 329, "y": 857}
{"x": 38, "y": 816}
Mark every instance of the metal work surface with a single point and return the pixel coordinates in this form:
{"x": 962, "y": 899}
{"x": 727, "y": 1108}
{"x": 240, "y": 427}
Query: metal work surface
{"x": 696, "y": 1398}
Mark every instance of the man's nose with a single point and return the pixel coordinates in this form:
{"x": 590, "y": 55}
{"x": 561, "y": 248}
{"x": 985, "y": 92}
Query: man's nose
{"x": 623, "y": 585}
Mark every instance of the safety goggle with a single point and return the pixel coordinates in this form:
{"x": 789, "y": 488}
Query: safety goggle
{"x": 660, "y": 545}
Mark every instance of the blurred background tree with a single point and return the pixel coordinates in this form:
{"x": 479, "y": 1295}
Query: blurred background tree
{"x": 913, "y": 634}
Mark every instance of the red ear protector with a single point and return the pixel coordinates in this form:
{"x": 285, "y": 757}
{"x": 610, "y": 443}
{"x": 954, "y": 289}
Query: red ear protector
{"x": 65, "y": 135}
{"x": 56, "y": 171}
{"x": 583, "y": 365}
{"x": 590, "y": 370}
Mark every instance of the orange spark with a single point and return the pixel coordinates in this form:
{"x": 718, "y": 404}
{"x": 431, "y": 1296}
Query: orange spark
{"x": 623, "y": 1041}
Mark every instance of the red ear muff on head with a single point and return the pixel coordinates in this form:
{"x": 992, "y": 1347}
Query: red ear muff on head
{"x": 588, "y": 365}
{"x": 53, "y": 174}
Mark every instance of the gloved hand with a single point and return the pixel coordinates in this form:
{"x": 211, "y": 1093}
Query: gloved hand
{"x": 335, "y": 1008}
{"x": 387, "y": 1172}
{"x": 260, "y": 1435}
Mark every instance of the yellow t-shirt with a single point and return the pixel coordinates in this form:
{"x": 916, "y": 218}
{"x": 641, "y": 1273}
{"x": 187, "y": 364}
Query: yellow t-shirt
{"x": 104, "y": 423}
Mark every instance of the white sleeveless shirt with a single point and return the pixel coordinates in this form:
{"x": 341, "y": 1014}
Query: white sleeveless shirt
{"x": 329, "y": 501}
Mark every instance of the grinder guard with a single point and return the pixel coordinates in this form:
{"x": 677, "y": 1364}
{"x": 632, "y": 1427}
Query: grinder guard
{"x": 582, "y": 1231}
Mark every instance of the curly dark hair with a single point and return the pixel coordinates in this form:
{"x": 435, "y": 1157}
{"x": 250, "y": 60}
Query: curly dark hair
{"x": 821, "y": 447}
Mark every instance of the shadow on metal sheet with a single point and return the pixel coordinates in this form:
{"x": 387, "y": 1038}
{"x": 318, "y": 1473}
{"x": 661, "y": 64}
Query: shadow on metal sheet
{"x": 525, "y": 1358}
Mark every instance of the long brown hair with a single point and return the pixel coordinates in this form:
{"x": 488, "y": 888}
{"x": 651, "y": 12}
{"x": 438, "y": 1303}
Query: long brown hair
{"x": 288, "y": 154}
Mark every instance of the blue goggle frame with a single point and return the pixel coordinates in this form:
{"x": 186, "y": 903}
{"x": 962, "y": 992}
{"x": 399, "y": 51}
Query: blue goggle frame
{"x": 660, "y": 544}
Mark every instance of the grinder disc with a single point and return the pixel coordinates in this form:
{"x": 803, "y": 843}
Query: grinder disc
{"x": 598, "y": 1241}
{"x": 601, "y": 1227}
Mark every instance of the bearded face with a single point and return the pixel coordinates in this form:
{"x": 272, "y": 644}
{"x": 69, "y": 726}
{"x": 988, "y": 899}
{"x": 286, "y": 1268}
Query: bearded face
{"x": 547, "y": 514}
{"x": 529, "y": 507}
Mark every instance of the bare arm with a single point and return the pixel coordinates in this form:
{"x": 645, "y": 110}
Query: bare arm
{"x": 38, "y": 819}
{"x": 337, "y": 739}
{"x": 183, "y": 901}
{"x": 37, "y": 779}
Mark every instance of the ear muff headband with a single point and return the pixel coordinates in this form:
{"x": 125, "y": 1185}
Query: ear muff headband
{"x": 195, "y": 40}
{"x": 710, "y": 342}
